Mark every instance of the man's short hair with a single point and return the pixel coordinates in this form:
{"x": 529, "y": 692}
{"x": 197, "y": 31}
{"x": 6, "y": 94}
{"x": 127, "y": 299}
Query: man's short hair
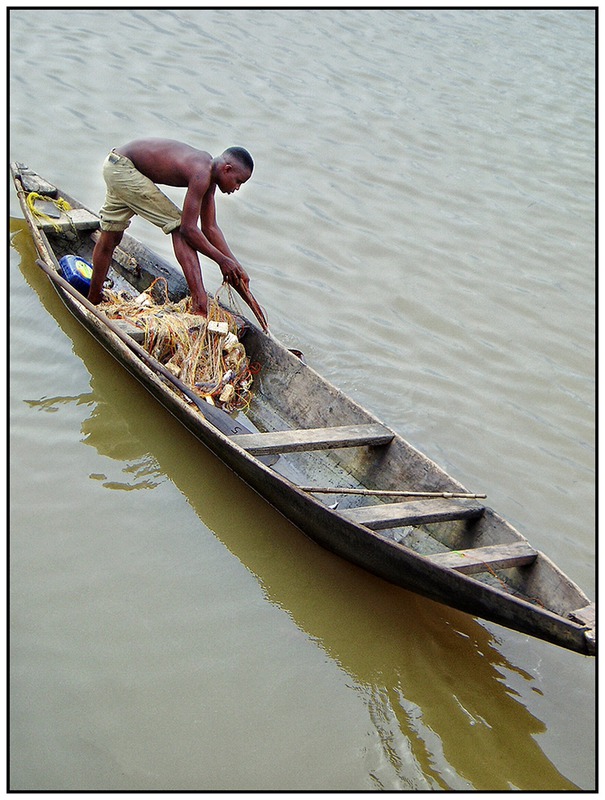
{"x": 242, "y": 155}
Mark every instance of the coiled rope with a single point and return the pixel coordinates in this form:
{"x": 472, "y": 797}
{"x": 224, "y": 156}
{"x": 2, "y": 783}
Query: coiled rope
{"x": 59, "y": 202}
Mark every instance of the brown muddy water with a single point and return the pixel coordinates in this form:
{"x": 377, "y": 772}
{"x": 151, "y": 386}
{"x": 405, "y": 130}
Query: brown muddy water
{"x": 421, "y": 224}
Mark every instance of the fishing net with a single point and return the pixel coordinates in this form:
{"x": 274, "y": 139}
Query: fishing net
{"x": 205, "y": 354}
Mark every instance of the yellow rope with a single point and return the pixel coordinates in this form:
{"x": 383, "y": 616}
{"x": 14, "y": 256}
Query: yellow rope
{"x": 59, "y": 202}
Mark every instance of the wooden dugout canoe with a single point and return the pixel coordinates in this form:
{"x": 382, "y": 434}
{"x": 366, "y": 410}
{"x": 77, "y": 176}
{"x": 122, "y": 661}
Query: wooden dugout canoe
{"x": 301, "y": 432}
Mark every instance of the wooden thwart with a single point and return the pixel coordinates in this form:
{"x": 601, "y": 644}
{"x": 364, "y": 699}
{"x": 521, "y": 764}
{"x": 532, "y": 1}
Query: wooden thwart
{"x": 479, "y": 559}
{"x": 393, "y": 515}
{"x": 313, "y": 439}
{"x": 32, "y": 182}
{"x": 78, "y": 218}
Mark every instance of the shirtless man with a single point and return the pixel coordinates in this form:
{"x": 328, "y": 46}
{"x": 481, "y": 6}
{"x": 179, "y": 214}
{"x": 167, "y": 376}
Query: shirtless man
{"x": 131, "y": 173}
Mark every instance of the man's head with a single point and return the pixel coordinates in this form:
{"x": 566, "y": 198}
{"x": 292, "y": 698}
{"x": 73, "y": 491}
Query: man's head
{"x": 232, "y": 168}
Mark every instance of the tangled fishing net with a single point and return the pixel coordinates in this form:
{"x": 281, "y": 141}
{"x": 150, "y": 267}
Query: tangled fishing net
{"x": 205, "y": 354}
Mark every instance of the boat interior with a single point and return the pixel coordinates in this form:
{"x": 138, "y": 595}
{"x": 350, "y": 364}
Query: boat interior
{"x": 322, "y": 439}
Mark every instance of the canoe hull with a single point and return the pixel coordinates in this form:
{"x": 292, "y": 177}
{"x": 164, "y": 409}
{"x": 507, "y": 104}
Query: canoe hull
{"x": 283, "y": 375}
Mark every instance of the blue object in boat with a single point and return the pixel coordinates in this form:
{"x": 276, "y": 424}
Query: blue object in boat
{"x": 77, "y": 272}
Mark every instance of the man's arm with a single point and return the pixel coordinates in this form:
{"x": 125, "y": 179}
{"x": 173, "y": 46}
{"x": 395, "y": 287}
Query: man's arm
{"x": 209, "y": 241}
{"x": 196, "y": 198}
{"x": 232, "y": 270}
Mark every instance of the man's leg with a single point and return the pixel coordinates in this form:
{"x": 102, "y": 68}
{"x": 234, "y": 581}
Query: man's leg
{"x": 101, "y": 259}
{"x": 190, "y": 264}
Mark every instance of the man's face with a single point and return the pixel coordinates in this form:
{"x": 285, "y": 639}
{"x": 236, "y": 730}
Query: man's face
{"x": 231, "y": 177}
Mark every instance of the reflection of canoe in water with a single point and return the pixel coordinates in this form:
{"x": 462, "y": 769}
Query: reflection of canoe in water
{"x": 408, "y": 659}
{"x": 381, "y": 504}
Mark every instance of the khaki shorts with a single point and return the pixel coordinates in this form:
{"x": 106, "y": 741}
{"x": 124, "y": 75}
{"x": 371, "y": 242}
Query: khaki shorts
{"x": 129, "y": 192}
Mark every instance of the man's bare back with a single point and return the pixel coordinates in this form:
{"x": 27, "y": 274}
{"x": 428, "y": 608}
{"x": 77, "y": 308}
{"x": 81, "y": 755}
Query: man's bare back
{"x": 193, "y": 228}
{"x": 168, "y": 161}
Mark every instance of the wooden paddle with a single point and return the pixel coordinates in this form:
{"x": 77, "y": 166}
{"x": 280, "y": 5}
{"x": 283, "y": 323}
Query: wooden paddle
{"x": 386, "y": 492}
{"x": 219, "y": 418}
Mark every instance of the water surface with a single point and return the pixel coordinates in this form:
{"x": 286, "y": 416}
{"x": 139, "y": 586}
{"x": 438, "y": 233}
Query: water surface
{"x": 421, "y": 224}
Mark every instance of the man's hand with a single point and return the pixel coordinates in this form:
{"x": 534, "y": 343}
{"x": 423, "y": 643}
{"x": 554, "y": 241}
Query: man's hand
{"x": 234, "y": 273}
{"x": 241, "y": 283}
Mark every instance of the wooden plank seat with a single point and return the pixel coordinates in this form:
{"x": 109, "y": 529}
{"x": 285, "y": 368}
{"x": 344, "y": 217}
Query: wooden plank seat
{"x": 78, "y": 218}
{"x": 301, "y": 439}
{"x": 483, "y": 559}
{"x": 416, "y": 512}
{"x": 32, "y": 182}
